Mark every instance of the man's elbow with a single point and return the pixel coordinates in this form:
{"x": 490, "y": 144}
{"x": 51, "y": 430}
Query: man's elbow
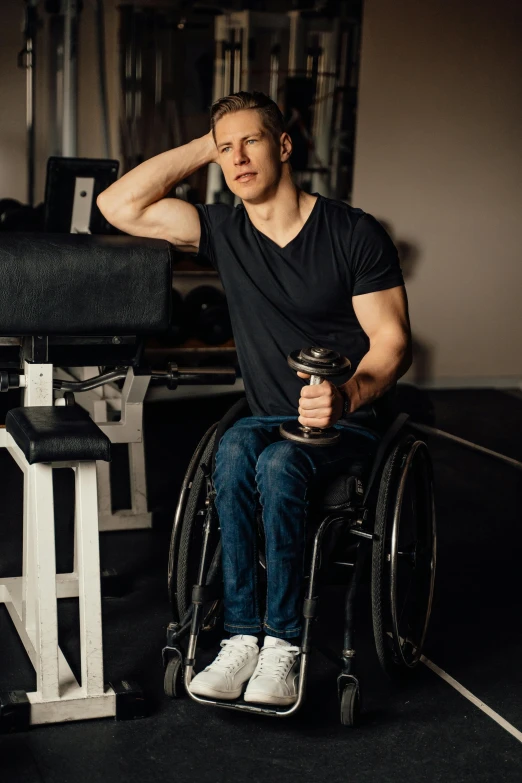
{"x": 107, "y": 206}
{"x": 103, "y": 204}
{"x": 116, "y": 214}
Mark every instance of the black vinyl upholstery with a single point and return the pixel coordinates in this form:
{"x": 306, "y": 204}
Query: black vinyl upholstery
{"x": 77, "y": 284}
{"x": 55, "y": 434}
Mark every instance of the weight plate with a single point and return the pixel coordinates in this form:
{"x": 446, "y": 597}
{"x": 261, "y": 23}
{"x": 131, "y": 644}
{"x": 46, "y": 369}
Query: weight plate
{"x": 327, "y": 364}
{"x": 292, "y": 430}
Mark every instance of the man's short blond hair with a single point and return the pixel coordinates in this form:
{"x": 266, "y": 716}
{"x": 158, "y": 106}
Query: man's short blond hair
{"x": 269, "y": 110}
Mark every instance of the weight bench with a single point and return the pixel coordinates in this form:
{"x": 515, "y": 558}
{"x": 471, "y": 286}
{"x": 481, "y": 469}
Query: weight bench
{"x": 68, "y": 300}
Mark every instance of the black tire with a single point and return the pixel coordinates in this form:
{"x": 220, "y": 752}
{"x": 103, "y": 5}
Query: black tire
{"x": 350, "y": 705}
{"x": 187, "y": 490}
{"x": 403, "y": 570}
{"x": 173, "y": 679}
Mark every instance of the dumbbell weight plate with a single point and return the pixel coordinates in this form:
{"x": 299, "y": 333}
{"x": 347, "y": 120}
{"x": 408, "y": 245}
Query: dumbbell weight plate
{"x": 311, "y": 436}
{"x": 319, "y": 361}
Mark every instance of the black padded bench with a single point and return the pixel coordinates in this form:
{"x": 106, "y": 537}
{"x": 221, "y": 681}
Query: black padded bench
{"x": 57, "y": 434}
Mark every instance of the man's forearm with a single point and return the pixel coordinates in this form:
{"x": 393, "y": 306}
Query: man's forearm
{"x": 152, "y": 180}
{"x": 379, "y": 370}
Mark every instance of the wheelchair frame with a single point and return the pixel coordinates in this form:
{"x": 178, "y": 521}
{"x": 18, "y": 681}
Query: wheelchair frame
{"x": 404, "y": 654}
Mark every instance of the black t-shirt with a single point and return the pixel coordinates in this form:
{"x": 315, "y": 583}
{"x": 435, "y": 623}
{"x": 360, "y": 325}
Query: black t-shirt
{"x": 283, "y": 299}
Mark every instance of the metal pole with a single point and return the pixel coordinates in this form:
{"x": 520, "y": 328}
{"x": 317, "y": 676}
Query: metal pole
{"x": 70, "y": 80}
{"x": 55, "y": 90}
{"x": 27, "y": 60}
{"x": 466, "y": 443}
{"x": 102, "y": 76}
{"x": 221, "y": 84}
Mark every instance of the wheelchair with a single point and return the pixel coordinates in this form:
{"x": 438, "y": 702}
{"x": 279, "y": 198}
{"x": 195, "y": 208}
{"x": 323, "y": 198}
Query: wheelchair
{"x": 383, "y": 512}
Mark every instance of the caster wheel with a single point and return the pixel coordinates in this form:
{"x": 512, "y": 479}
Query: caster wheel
{"x": 173, "y": 680}
{"x": 349, "y": 708}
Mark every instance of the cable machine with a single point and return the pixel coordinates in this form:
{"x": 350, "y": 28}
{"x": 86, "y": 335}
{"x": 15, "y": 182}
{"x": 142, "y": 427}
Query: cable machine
{"x": 307, "y": 63}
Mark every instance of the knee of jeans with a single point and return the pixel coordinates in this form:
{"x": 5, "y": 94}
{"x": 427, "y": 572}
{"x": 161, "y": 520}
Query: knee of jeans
{"x": 231, "y": 446}
{"x": 233, "y": 449}
{"x": 283, "y": 459}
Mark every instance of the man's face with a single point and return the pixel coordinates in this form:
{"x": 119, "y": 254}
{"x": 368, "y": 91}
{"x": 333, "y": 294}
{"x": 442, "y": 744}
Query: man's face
{"x": 248, "y": 154}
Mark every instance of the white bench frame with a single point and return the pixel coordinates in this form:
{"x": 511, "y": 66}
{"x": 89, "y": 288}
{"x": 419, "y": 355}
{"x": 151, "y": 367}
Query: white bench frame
{"x": 100, "y": 403}
{"x": 31, "y": 599}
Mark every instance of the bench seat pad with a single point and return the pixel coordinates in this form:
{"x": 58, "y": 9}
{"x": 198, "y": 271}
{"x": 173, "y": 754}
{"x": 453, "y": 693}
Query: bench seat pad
{"x": 56, "y": 434}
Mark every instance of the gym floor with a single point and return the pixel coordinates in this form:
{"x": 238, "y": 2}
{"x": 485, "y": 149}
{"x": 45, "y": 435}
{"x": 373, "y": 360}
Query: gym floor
{"x": 424, "y": 730}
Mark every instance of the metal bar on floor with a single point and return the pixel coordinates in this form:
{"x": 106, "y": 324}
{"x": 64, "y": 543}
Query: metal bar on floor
{"x": 467, "y": 443}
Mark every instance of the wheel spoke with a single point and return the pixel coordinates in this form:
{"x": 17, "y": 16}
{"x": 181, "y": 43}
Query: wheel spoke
{"x": 408, "y": 556}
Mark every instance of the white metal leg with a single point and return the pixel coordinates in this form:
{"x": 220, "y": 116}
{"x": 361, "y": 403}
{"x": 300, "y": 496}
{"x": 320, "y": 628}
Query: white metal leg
{"x": 41, "y": 530}
{"x": 100, "y": 403}
{"x": 28, "y": 570}
{"x": 31, "y": 599}
{"x": 138, "y": 482}
{"x": 88, "y": 557}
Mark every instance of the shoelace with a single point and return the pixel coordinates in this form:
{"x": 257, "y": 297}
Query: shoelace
{"x": 229, "y": 658}
{"x": 276, "y": 661}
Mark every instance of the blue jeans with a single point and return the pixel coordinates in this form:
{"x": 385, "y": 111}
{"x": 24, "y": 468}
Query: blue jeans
{"x": 256, "y": 466}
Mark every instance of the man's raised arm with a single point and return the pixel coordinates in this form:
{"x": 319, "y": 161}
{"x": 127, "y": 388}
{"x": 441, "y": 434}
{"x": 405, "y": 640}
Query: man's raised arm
{"x": 136, "y": 203}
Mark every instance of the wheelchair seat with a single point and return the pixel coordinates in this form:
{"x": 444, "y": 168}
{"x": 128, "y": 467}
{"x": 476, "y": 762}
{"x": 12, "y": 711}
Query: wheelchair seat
{"x": 343, "y": 491}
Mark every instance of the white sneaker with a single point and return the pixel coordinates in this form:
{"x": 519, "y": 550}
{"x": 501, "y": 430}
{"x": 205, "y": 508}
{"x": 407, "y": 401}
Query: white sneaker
{"x": 276, "y": 677}
{"x": 233, "y": 666}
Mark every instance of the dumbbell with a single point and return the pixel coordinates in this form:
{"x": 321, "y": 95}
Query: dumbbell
{"x": 319, "y": 363}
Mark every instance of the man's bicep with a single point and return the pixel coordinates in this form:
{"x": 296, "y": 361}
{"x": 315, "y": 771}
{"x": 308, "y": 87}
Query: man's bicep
{"x": 172, "y": 219}
{"x": 384, "y": 313}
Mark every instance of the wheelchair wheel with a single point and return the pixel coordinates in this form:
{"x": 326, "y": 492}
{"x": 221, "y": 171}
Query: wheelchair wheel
{"x": 350, "y": 706}
{"x": 403, "y": 556}
{"x": 186, "y": 539}
{"x": 173, "y": 679}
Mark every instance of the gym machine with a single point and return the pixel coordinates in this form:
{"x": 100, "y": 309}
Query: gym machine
{"x": 60, "y": 20}
{"x": 308, "y": 64}
{"x": 70, "y": 205}
{"x": 49, "y": 283}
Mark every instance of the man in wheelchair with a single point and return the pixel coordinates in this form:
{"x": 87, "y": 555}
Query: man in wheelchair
{"x": 298, "y": 269}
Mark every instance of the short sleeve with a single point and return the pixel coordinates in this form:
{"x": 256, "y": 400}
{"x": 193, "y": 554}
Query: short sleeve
{"x": 210, "y": 218}
{"x": 374, "y": 258}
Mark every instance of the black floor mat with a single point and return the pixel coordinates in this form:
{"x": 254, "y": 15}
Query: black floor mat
{"x": 421, "y": 731}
